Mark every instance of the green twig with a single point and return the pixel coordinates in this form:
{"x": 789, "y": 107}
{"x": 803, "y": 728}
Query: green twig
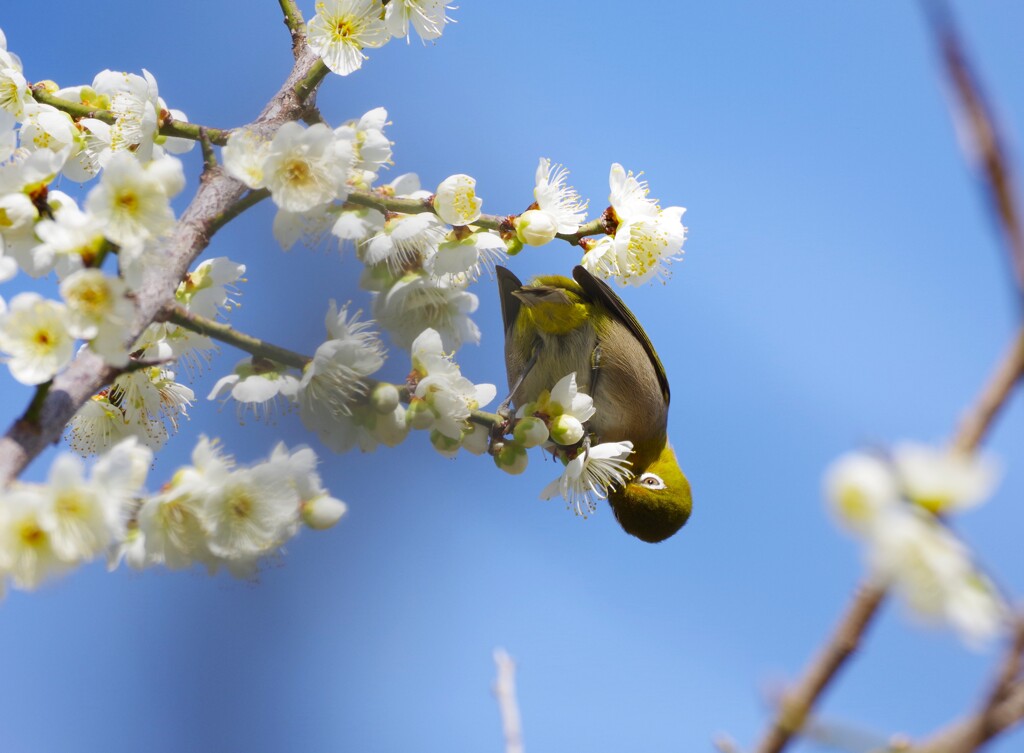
{"x": 250, "y": 199}
{"x": 209, "y": 157}
{"x": 169, "y": 126}
{"x": 226, "y": 334}
{"x": 503, "y": 224}
{"x": 309, "y": 84}
{"x": 292, "y": 17}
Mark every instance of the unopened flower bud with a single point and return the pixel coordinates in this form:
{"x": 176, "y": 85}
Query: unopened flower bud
{"x": 445, "y": 445}
{"x": 535, "y": 227}
{"x": 512, "y": 458}
{"x": 566, "y": 430}
{"x": 419, "y": 415}
{"x": 322, "y": 512}
{"x": 384, "y": 398}
{"x": 530, "y": 432}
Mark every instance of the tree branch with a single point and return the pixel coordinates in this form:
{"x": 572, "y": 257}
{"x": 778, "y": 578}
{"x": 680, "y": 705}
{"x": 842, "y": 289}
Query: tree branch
{"x": 502, "y": 224}
{"x": 224, "y": 333}
{"x": 1003, "y": 708}
{"x": 979, "y": 126}
{"x": 168, "y": 125}
{"x": 215, "y": 200}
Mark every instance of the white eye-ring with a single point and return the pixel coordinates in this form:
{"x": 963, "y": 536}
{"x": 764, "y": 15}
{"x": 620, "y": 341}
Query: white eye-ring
{"x": 651, "y": 481}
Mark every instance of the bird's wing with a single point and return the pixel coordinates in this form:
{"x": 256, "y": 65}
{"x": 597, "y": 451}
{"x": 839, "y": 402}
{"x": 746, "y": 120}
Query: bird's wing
{"x": 599, "y": 291}
{"x": 508, "y": 283}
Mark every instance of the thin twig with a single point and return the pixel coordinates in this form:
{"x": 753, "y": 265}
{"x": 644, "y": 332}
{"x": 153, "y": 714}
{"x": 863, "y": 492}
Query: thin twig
{"x": 501, "y": 223}
{"x": 226, "y": 334}
{"x": 988, "y": 146}
{"x": 796, "y": 705}
{"x": 169, "y": 126}
{"x": 993, "y": 397}
{"x": 508, "y": 706}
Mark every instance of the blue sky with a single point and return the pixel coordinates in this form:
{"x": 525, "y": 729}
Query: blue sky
{"x": 843, "y": 285}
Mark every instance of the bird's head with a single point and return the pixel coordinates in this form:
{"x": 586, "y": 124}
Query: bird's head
{"x": 656, "y": 502}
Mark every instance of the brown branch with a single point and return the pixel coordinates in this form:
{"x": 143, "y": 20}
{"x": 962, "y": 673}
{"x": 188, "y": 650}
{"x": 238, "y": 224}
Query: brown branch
{"x": 796, "y": 705}
{"x": 1003, "y": 707}
{"x": 988, "y": 145}
{"x": 216, "y": 198}
{"x": 979, "y": 418}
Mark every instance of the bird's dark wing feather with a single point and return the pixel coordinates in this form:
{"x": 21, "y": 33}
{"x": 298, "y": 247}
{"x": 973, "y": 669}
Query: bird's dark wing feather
{"x": 599, "y": 291}
{"x": 508, "y": 283}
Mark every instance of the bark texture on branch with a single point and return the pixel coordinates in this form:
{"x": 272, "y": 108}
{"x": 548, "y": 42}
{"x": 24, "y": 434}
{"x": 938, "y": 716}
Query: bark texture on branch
{"x": 87, "y": 374}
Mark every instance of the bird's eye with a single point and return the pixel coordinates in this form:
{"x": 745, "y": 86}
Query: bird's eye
{"x": 651, "y": 481}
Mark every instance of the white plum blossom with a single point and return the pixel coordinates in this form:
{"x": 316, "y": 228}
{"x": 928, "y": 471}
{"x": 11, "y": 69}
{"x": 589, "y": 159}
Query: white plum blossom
{"x": 646, "y": 246}
{"x": 132, "y": 200}
{"x": 356, "y": 224}
{"x": 342, "y": 29}
{"x": 245, "y": 155}
{"x": 151, "y": 392}
{"x": 405, "y": 241}
{"x": 443, "y": 397}
{"x": 559, "y": 207}
{"x": 647, "y": 238}
{"x": 318, "y": 508}
{"x": 417, "y": 302}
{"x": 251, "y": 513}
{"x": 371, "y": 148}
{"x": 14, "y": 93}
{"x": 46, "y": 127}
{"x": 427, "y": 17}
{"x": 590, "y": 474}
{"x": 629, "y": 196}
{"x": 456, "y": 202}
{"x": 97, "y": 426}
{"x": 860, "y": 488}
{"x": 468, "y": 256}
{"x": 310, "y": 226}
{"x": 135, "y": 102}
{"x": 933, "y": 572}
{"x": 98, "y": 310}
{"x": 943, "y": 480}
{"x": 892, "y": 503}
{"x": 26, "y": 545}
{"x": 258, "y": 385}
{"x": 208, "y": 288}
{"x": 34, "y": 334}
{"x": 335, "y": 379}
{"x": 80, "y": 517}
{"x": 68, "y": 240}
{"x": 47, "y": 528}
{"x": 306, "y": 167}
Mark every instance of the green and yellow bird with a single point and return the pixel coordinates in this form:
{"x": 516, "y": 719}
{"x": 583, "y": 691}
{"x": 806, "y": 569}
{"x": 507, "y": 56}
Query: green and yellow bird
{"x": 555, "y": 326}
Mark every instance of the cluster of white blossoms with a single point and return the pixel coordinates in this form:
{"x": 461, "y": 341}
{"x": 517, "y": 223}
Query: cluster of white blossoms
{"x": 146, "y": 401}
{"x": 420, "y": 252}
{"x": 647, "y": 238}
{"x": 342, "y": 29}
{"x": 211, "y": 512}
{"x": 555, "y": 421}
{"x": 442, "y": 399}
{"x": 220, "y": 515}
{"x": 47, "y": 529}
{"x": 896, "y": 504}
{"x": 42, "y": 230}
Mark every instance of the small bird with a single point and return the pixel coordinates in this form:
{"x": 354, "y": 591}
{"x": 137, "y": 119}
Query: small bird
{"x": 555, "y": 326}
